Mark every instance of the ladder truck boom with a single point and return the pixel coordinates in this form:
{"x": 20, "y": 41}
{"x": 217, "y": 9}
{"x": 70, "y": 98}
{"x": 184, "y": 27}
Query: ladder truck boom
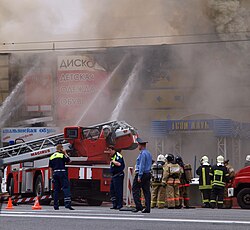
{"x": 31, "y": 150}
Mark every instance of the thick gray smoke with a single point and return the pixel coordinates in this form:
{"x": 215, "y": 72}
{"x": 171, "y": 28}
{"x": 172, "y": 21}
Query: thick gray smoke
{"x": 229, "y": 16}
{"x": 82, "y": 19}
{"x": 217, "y": 73}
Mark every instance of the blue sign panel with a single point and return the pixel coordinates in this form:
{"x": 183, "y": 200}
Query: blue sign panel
{"x": 220, "y": 127}
{"x": 189, "y": 125}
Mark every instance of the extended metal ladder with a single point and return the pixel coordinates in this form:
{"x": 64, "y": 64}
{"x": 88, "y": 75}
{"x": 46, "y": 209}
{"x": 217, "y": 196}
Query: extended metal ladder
{"x": 28, "y": 151}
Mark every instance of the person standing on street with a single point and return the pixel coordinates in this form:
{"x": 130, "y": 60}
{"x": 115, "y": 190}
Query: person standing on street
{"x": 228, "y": 201}
{"x": 185, "y": 180}
{"x": 60, "y": 176}
{"x": 158, "y": 189}
{"x": 171, "y": 177}
{"x": 205, "y": 184}
{"x": 142, "y": 177}
{"x": 247, "y": 162}
{"x": 117, "y": 166}
{"x": 219, "y": 176}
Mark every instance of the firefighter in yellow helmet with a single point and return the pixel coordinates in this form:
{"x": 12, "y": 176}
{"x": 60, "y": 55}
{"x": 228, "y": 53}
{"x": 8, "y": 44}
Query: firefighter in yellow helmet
{"x": 158, "y": 189}
{"x": 219, "y": 176}
{"x": 171, "y": 176}
{"x": 205, "y": 185}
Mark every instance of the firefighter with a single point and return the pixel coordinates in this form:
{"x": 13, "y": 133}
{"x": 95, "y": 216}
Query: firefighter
{"x": 117, "y": 166}
{"x": 247, "y": 163}
{"x": 109, "y": 135}
{"x": 60, "y": 176}
{"x": 185, "y": 180}
{"x": 205, "y": 185}
{"x": 158, "y": 189}
{"x": 171, "y": 177}
{"x": 228, "y": 202}
{"x": 219, "y": 176}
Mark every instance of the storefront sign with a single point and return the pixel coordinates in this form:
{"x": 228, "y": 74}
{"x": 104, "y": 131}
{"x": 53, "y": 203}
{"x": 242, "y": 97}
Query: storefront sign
{"x": 28, "y": 133}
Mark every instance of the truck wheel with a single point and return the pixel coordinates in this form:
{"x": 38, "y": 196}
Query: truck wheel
{"x": 39, "y": 190}
{"x": 92, "y": 202}
{"x": 243, "y": 198}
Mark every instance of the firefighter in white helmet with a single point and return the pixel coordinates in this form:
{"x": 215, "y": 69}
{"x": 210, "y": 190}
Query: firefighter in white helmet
{"x": 205, "y": 185}
{"x": 219, "y": 176}
{"x": 247, "y": 163}
{"x": 158, "y": 189}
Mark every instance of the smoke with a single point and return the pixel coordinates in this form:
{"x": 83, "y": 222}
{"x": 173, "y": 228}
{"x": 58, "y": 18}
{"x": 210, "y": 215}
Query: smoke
{"x": 228, "y": 15}
{"x": 216, "y": 75}
{"x": 62, "y": 20}
{"x": 30, "y": 21}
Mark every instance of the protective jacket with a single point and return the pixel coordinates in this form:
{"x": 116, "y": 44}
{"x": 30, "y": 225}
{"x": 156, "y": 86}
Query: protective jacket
{"x": 204, "y": 177}
{"x": 219, "y": 176}
{"x": 57, "y": 161}
{"x": 172, "y": 173}
{"x": 117, "y": 169}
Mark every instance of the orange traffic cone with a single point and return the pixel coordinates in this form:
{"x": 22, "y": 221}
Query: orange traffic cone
{"x": 36, "y": 205}
{"x": 9, "y": 205}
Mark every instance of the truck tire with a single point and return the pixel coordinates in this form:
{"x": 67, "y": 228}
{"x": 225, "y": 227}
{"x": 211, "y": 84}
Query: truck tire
{"x": 39, "y": 190}
{"x": 243, "y": 198}
{"x": 92, "y": 202}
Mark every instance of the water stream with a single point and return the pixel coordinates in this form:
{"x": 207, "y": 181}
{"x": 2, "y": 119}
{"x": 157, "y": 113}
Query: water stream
{"x": 13, "y": 101}
{"x": 127, "y": 90}
{"x": 101, "y": 89}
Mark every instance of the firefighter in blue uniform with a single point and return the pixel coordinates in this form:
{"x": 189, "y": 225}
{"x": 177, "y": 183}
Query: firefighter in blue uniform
{"x": 117, "y": 166}
{"x": 60, "y": 176}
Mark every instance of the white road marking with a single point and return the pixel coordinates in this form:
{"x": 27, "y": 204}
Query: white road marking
{"x": 120, "y": 218}
{"x": 72, "y": 212}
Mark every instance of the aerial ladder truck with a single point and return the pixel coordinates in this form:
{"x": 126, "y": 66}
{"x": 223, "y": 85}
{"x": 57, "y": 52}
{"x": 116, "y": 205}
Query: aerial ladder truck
{"x": 26, "y": 172}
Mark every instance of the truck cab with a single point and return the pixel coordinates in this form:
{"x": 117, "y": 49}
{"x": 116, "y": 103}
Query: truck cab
{"x": 240, "y": 187}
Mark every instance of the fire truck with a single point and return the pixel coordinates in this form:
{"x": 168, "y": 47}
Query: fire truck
{"x": 26, "y": 171}
{"x": 240, "y": 187}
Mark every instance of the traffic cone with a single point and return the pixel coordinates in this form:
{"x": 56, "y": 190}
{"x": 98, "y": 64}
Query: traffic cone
{"x": 9, "y": 205}
{"x": 36, "y": 205}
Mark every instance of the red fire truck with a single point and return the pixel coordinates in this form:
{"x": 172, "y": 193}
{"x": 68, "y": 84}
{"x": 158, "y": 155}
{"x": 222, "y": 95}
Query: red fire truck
{"x": 26, "y": 171}
{"x": 240, "y": 187}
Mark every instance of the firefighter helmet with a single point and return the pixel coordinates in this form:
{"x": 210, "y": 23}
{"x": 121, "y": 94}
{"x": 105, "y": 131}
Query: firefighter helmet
{"x": 220, "y": 159}
{"x": 161, "y": 158}
{"x": 170, "y": 157}
{"x": 248, "y": 158}
{"x": 178, "y": 160}
{"x": 204, "y": 159}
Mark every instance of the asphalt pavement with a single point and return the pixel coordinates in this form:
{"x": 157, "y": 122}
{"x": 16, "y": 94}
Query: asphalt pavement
{"x": 85, "y": 217}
